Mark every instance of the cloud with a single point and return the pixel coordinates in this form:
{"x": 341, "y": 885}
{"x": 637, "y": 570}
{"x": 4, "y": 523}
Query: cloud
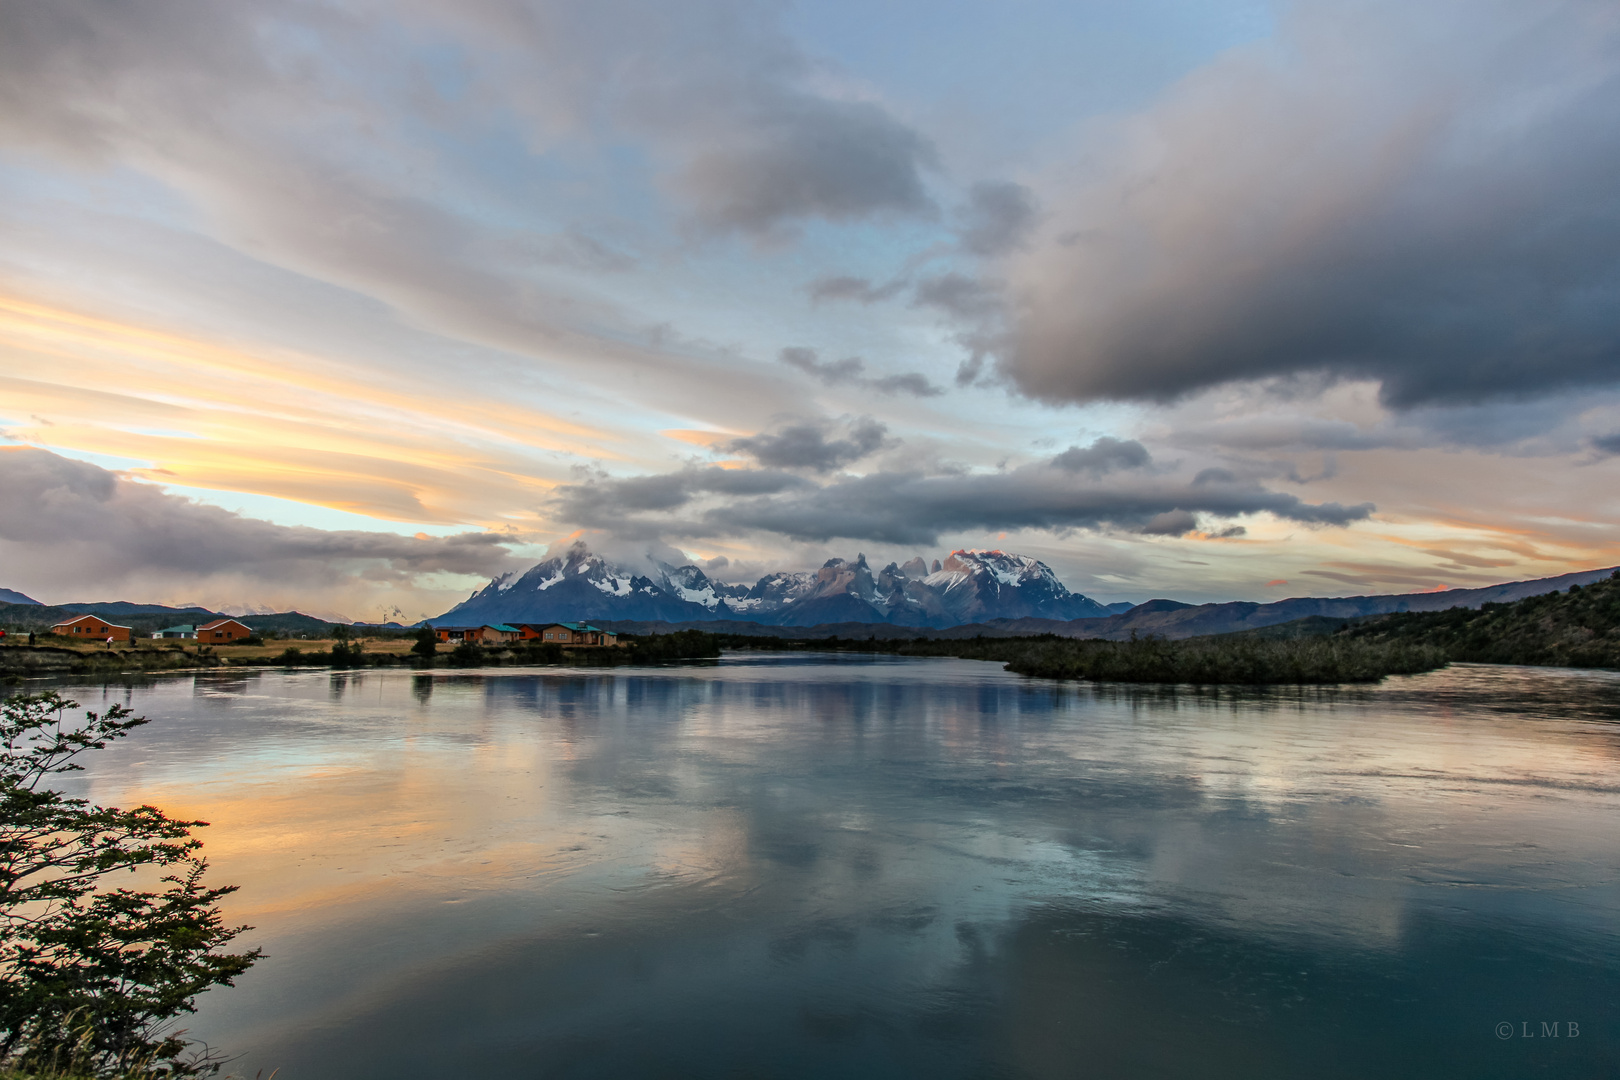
{"x": 958, "y": 295}
{"x": 1421, "y": 195}
{"x": 807, "y": 446}
{"x": 796, "y": 156}
{"x": 917, "y": 507}
{"x": 1103, "y": 456}
{"x": 999, "y": 217}
{"x": 1607, "y": 444}
{"x": 90, "y": 534}
{"x": 1171, "y": 523}
{"x": 851, "y": 371}
{"x": 859, "y": 289}
{"x": 465, "y": 166}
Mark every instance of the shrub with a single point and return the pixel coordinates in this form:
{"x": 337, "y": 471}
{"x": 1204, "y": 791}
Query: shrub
{"x": 427, "y": 643}
{"x": 467, "y": 654}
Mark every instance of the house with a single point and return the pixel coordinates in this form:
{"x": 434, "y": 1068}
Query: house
{"x": 487, "y": 634}
{"x": 91, "y": 628}
{"x": 224, "y": 630}
{"x": 176, "y": 632}
{"x": 575, "y": 633}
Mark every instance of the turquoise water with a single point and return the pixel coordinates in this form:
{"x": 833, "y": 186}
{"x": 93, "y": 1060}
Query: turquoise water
{"x": 790, "y": 866}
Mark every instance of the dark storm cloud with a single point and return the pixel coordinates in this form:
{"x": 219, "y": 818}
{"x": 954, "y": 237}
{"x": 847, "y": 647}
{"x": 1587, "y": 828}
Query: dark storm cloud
{"x": 68, "y": 520}
{"x": 1607, "y": 444}
{"x": 914, "y": 507}
{"x": 808, "y": 446}
{"x": 998, "y": 218}
{"x": 1421, "y": 195}
{"x": 851, "y": 371}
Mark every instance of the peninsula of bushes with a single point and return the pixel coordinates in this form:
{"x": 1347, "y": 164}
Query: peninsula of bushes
{"x": 1235, "y": 659}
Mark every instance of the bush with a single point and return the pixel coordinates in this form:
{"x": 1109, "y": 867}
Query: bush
{"x": 91, "y": 976}
{"x": 347, "y": 654}
{"x": 467, "y": 654}
{"x": 427, "y": 643}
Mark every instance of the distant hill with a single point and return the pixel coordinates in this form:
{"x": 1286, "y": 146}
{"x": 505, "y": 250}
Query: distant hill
{"x": 1168, "y": 619}
{"x": 146, "y": 619}
{"x": 1171, "y": 619}
{"x": 1579, "y": 627}
{"x": 12, "y": 596}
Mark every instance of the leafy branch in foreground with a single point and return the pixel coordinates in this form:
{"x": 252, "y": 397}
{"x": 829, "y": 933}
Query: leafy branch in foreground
{"x": 92, "y": 977}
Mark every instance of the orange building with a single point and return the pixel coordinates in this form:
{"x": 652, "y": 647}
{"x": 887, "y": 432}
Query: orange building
{"x": 487, "y": 634}
{"x": 225, "y": 630}
{"x": 573, "y": 633}
{"x": 91, "y": 628}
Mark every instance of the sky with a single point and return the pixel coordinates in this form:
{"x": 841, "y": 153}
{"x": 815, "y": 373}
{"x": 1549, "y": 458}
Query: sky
{"x": 350, "y": 306}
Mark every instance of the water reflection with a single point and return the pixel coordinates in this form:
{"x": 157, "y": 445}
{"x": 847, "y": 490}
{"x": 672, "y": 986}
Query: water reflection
{"x": 795, "y": 866}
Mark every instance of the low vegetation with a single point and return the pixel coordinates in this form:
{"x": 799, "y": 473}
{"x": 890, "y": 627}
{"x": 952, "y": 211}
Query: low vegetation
{"x": 635, "y": 649}
{"x": 54, "y": 656}
{"x": 1211, "y": 660}
{"x": 1577, "y": 628}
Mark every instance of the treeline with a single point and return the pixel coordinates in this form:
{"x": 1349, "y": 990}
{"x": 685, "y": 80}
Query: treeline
{"x": 1227, "y": 659}
{"x": 1577, "y": 628}
{"x": 636, "y": 649}
{"x": 633, "y": 649}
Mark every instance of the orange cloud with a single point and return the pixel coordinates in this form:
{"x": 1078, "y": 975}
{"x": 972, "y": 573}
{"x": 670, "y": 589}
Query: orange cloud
{"x": 290, "y": 425}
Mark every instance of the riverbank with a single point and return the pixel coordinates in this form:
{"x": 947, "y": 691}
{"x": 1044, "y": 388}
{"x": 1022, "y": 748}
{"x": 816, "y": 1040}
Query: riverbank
{"x": 21, "y": 661}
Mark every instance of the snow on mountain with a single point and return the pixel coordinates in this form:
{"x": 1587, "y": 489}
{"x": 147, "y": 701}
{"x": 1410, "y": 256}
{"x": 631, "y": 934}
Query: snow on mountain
{"x": 970, "y": 586}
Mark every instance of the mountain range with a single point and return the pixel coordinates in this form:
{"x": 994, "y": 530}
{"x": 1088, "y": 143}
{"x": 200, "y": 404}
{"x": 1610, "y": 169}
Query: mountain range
{"x": 967, "y": 587}
{"x": 970, "y": 592}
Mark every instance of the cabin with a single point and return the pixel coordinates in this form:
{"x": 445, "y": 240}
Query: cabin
{"x": 184, "y": 632}
{"x": 487, "y": 634}
{"x": 91, "y": 628}
{"x": 576, "y": 634}
{"x": 223, "y": 630}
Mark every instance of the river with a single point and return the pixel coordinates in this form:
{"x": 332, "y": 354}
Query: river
{"x": 812, "y": 866}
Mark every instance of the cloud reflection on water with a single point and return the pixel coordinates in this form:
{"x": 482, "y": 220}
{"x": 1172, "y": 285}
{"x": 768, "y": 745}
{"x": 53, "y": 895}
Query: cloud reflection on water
{"x": 891, "y": 867}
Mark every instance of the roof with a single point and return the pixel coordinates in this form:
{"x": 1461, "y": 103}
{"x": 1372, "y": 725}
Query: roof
{"x": 177, "y": 630}
{"x": 222, "y": 622}
{"x": 108, "y": 623}
{"x": 580, "y": 627}
{"x": 502, "y": 627}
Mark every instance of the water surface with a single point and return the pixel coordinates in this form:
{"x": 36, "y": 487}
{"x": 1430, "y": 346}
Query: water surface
{"x": 804, "y": 866}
